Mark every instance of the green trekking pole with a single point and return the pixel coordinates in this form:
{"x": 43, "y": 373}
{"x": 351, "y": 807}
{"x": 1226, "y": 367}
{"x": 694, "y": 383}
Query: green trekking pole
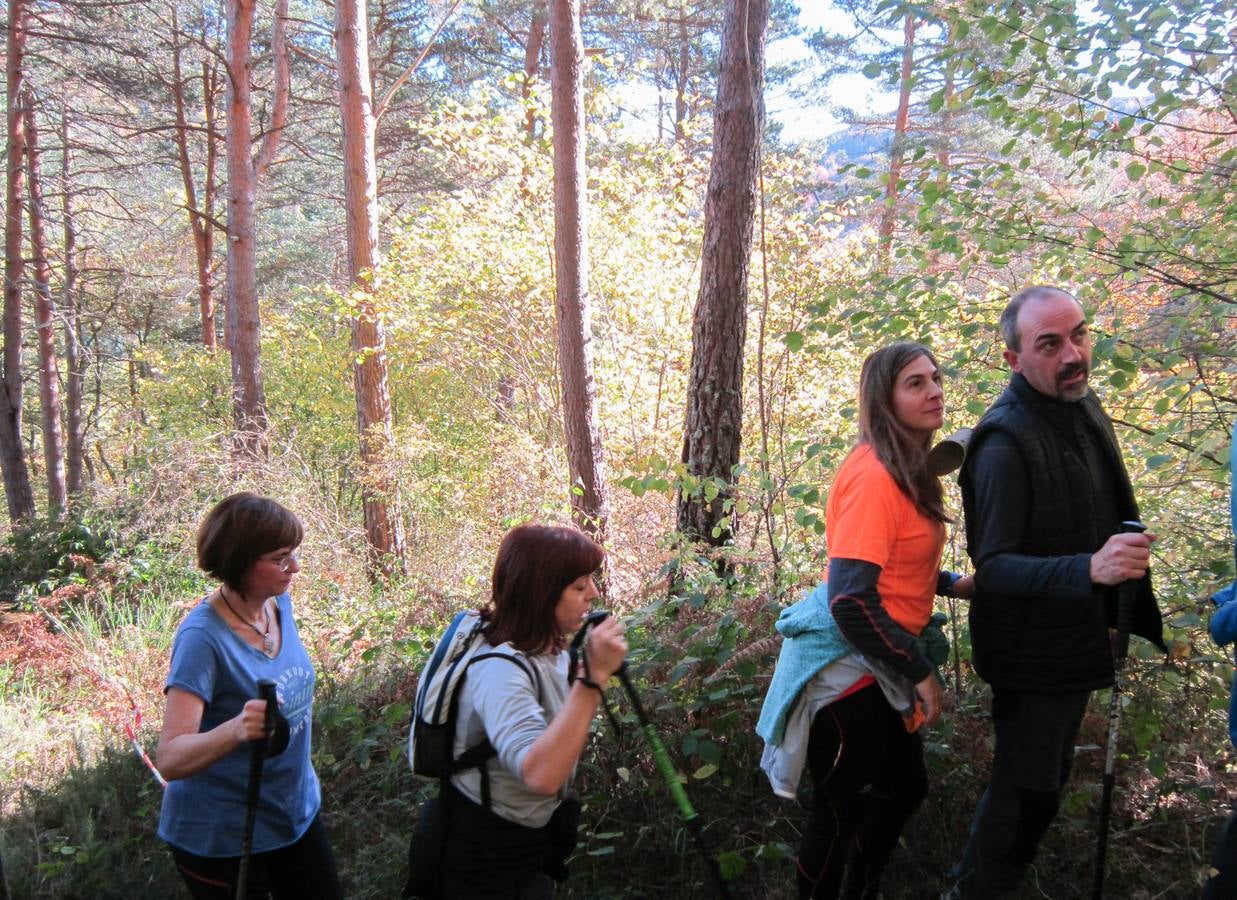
{"x": 673, "y": 782}
{"x": 660, "y": 756}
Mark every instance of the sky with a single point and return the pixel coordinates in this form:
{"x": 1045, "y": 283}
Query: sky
{"x": 800, "y": 122}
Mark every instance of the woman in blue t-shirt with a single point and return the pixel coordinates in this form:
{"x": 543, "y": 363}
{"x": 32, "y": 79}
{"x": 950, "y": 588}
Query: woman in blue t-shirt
{"x": 240, "y": 633}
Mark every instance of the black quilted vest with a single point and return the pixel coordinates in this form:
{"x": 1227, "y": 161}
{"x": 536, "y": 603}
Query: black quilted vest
{"x": 1045, "y": 644}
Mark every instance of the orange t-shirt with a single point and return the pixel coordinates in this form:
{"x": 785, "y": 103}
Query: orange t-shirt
{"x": 869, "y": 518}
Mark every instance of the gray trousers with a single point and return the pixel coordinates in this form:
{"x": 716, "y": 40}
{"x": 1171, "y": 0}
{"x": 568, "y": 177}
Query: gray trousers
{"x": 1034, "y": 752}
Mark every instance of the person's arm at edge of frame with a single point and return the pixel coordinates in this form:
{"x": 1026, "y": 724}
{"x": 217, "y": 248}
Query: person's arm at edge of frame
{"x": 184, "y": 750}
{"x": 1223, "y": 624}
{"x": 551, "y": 758}
{"x": 952, "y": 584}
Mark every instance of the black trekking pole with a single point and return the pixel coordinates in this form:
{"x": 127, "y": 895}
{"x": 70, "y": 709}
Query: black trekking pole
{"x": 1126, "y": 593}
{"x": 662, "y": 759}
{"x": 257, "y": 756}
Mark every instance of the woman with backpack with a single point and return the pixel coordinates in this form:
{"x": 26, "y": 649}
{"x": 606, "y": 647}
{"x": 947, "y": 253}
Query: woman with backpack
{"x": 886, "y": 530}
{"x": 510, "y": 823}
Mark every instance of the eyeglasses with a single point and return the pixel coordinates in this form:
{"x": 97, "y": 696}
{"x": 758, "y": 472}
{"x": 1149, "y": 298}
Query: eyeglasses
{"x": 285, "y": 561}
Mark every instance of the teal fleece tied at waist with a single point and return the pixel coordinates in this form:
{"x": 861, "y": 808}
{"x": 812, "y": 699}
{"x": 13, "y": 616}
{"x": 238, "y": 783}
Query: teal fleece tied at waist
{"x": 812, "y": 641}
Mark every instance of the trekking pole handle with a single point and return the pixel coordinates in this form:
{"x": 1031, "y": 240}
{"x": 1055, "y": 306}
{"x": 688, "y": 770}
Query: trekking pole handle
{"x": 267, "y": 691}
{"x": 594, "y": 617}
{"x": 1127, "y": 591}
{"x": 257, "y": 755}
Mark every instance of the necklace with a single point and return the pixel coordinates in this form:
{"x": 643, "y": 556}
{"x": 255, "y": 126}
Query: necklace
{"x": 268, "y": 645}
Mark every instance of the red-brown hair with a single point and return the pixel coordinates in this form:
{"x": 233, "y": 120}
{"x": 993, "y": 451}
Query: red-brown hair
{"x": 535, "y": 564}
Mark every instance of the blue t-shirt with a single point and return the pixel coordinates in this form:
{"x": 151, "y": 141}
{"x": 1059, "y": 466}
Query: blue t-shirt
{"x": 204, "y": 814}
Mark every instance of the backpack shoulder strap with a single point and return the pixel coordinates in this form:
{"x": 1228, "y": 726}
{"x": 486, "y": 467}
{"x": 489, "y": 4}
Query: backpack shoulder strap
{"x": 519, "y": 659}
{"x": 477, "y": 755}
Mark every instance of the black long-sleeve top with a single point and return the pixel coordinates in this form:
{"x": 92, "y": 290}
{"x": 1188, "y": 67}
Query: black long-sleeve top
{"x": 867, "y": 626}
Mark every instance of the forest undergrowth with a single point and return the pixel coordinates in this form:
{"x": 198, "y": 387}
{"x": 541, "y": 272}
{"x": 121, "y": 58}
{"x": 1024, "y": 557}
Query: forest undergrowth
{"x": 90, "y": 607}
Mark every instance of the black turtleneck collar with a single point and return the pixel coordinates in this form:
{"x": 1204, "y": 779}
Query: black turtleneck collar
{"x": 1030, "y": 394}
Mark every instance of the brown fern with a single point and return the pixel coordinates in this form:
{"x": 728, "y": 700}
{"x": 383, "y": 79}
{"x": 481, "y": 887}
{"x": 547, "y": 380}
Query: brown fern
{"x": 764, "y": 647}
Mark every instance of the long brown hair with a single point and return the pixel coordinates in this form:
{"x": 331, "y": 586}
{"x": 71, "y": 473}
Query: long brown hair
{"x": 535, "y": 564}
{"x": 903, "y": 454}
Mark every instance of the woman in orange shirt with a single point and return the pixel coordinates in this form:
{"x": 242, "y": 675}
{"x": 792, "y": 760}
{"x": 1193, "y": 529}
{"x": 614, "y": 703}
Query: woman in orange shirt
{"x": 885, "y": 523}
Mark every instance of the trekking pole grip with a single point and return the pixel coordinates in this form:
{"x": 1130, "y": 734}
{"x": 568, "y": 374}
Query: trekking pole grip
{"x": 1127, "y": 592}
{"x": 257, "y": 754}
{"x": 268, "y": 692}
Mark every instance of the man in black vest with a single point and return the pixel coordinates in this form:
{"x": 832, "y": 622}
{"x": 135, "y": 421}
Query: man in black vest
{"x": 1044, "y": 490}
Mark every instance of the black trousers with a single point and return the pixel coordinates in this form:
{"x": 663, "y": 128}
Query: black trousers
{"x": 303, "y": 869}
{"x": 462, "y": 851}
{"x": 1035, "y": 736}
{"x": 868, "y": 777}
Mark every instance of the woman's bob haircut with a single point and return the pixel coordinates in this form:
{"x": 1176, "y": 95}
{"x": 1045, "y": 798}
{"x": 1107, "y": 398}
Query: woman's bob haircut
{"x": 535, "y": 564}
{"x": 240, "y": 529}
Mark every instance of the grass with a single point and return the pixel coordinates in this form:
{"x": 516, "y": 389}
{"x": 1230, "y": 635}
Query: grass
{"x": 79, "y": 810}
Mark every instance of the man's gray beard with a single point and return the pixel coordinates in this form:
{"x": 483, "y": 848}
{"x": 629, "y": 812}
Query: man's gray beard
{"x": 1074, "y": 392}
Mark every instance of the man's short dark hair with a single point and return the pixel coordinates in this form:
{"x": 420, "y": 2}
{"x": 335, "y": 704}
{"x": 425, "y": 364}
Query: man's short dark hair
{"x": 1009, "y": 316}
{"x": 240, "y": 529}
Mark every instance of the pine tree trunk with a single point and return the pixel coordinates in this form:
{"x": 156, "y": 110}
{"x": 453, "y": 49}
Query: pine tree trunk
{"x": 714, "y": 422}
{"x": 380, "y": 491}
{"x": 947, "y": 112}
{"x": 681, "y": 78}
{"x": 585, "y": 460}
{"x": 532, "y": 66}
{"x": 45, "y": 322}
{"x": 74, "y": 357}
{"x": 210, "y": 185}
{"x": 248, "y": 394}
{"x": 17, "y": 490}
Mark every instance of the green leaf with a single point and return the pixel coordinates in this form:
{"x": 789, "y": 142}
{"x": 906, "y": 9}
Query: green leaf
{"x": 732, "y": 864}
{"x": 1135, "y": 171}
{"x": 872, "y": 70}
{"x": 1159, "y": 460}
{"x": 793, "y": 340}
{"x": 704, "y": 772}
